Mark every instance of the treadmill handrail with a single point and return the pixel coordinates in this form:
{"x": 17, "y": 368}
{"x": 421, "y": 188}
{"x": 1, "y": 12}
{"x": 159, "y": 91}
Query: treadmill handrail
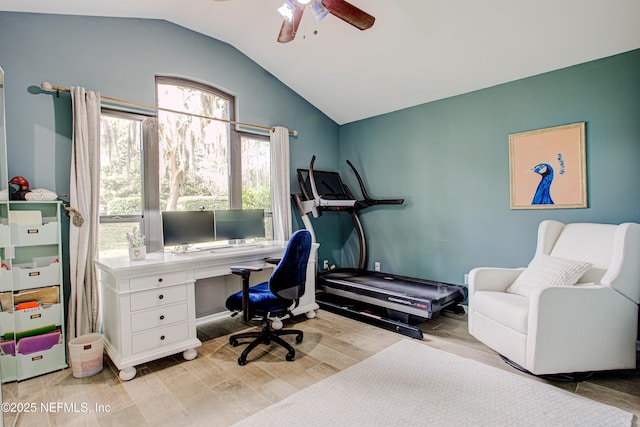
{"x": 369, "y": 201}
{"x": 317, "y": 204}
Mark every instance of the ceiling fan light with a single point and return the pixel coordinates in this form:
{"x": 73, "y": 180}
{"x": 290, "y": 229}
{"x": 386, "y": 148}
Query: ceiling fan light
{"x": 319, "y": 11}
{"x": 304, "y": 2}
{"x": 287, "y": 10}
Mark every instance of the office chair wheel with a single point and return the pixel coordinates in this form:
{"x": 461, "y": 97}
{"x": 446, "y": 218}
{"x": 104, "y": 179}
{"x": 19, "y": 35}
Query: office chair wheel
{"x": 242, "y": 361}
{"x": 290, "y": 356}
{"x": 234, "y": 343}
{"x": 299, "y": 338}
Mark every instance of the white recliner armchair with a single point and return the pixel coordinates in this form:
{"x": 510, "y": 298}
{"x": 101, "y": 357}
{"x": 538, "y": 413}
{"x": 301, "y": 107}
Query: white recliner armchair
{"x": 573, "y": 309}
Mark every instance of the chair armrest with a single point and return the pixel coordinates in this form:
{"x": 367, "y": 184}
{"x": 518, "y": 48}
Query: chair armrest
{"x": 590, "y": 322}
{"x": 245, "y": 272}
{"x": 492, "y": 279}
{"x": 239, "y": 269}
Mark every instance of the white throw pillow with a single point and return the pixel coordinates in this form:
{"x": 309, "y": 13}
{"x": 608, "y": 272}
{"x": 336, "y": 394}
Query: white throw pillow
{"x": 545, "y": 271}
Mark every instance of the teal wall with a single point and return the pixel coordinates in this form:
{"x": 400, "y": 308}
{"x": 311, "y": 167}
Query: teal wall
{"x": 449, "y": 159}
{"x": 120, "y": 58}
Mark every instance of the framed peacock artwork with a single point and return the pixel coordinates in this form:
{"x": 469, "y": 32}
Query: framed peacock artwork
{"x": 547, "y": 168}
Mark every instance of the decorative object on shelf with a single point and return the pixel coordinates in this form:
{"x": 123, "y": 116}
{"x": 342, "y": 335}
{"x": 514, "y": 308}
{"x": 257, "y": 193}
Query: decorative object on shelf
{"x": 137, "y": 253}
{"x": 137, "y": 249}
{"x": 19, "y": 190}
{"x": 547, "y": 168}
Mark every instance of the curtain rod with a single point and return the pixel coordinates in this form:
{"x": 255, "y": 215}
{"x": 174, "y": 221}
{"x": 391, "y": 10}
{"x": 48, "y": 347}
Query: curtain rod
{"x": 48, "y": 87}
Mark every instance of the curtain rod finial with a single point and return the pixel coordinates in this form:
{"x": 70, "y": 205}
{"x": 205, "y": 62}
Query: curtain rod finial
{"x": 46, "y": 86}
{"x": 294, "y": 132}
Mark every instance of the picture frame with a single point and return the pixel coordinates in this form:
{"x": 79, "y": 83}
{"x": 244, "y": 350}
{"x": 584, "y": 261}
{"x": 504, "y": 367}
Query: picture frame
{"x": 547, "y": 168}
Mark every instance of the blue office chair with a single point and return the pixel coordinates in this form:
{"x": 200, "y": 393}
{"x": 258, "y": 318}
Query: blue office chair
{"x": 277, "y": 297}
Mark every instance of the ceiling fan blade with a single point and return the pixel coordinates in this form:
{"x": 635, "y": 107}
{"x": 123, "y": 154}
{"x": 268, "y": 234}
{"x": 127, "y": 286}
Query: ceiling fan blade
{"x": 289, "y": 29}
{"x": 349, "y": 13}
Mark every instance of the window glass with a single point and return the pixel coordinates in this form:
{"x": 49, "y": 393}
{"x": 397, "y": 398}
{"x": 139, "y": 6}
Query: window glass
{"x": 194, "y": 149}
{"x": 121, "y": 202}
{"x": 256, "y": 177}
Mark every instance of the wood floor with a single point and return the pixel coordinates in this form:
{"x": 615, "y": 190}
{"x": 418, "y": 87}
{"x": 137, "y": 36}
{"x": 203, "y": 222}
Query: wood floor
{"x": 213, "y": 390}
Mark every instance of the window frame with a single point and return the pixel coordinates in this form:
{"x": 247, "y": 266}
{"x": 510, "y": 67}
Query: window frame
{"x": 250, "y": 135}
{"x": 149, "y": 136}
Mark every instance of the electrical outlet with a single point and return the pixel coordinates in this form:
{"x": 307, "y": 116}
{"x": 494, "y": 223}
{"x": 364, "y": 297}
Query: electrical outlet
{"x": 376, "y": 266}
{"x": 325, "y": 264}
{"x": 466, "y": 279}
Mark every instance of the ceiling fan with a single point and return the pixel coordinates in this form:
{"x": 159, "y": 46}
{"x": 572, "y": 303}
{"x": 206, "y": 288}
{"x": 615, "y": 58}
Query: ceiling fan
{"x": 292, "y": 10}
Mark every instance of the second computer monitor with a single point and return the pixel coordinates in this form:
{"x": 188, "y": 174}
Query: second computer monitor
{"x": 239, "y": 224}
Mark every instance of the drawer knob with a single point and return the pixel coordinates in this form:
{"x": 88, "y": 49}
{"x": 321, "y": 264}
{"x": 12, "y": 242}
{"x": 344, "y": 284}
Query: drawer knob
{"x": 160, "y": 296}
{"x": 160, "y": 280}
{"x": 162, "y": 317}
{"x": 162, "y": 338}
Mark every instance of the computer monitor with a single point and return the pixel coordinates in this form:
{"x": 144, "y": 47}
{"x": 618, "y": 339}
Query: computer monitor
{"x": 239, "y": 224}
{"x": 187, "y": 227}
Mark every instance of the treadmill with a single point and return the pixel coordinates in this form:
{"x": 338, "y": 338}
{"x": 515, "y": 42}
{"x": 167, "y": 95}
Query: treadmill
{"x": 393, "y": 302}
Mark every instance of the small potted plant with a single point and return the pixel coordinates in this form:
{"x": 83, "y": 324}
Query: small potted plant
{"x": 137, "y": 249}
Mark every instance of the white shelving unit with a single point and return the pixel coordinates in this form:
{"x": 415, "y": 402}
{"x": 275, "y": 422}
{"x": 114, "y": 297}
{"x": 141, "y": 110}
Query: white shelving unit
{"x": 31, "y": 296}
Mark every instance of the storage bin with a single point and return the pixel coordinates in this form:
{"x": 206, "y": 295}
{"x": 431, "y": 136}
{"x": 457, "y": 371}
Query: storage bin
{"x": 6, "y": 280}
{"x": 7, "y": 324}
{"x": 38, "y": 317}
{"x": 8, "y": 367}
{"x": 5, "y": 235}
{"x": 42, "y": 362}
{"x": 35, "y": 274}
{"x": 34, "y": 235}
{"x": 85, "y": 355}
{"x": 22, "y": 366}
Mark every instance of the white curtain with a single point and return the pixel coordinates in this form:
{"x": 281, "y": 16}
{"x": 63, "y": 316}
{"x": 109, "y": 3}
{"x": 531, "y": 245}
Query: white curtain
{"x": 84, "y": 315}
{"x": 280, "y": 183}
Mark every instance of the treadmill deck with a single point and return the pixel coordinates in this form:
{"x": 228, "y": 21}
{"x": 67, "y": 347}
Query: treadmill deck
{"x": 419, "y": 297}
{"x": 402, "y": 297}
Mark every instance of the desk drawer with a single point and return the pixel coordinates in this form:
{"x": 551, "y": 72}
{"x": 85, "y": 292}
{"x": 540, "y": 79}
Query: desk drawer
{"x": 158, "y": 280}
{"x": 158, "y": 297}
{"x": 159, "y": 317}
{"x": 160, "y": 337}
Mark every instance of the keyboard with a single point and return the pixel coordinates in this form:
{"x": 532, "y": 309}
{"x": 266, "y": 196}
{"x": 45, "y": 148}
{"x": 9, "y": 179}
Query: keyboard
{"x": 233, "y": 248}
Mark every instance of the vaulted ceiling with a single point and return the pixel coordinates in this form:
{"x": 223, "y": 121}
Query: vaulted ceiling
{"x": 417, "y": 50}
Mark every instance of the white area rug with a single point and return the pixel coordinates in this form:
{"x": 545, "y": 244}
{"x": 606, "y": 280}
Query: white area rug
{"x": 411, "y": 384}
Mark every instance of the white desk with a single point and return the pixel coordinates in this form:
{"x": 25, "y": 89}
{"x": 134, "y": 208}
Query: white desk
{"x": 149, "y": 309}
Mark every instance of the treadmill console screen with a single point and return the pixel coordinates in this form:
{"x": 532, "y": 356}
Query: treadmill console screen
{"x": 328, "y": 184}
